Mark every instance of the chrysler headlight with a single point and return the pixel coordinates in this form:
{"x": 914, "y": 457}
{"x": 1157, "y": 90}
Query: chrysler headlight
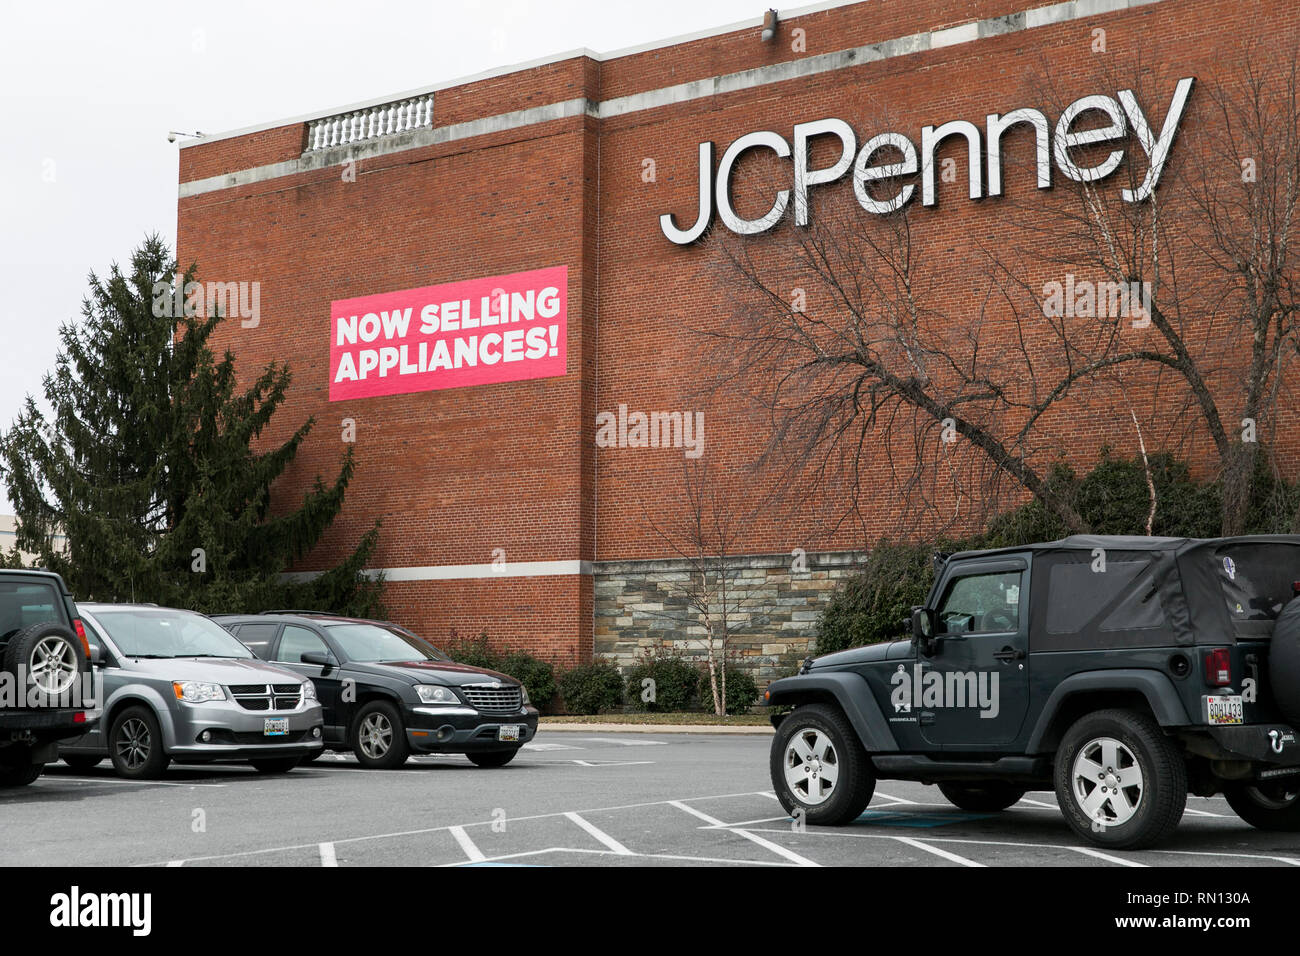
{"x": 435, "y": 694}
{"x": 196, "y": 692}
{"x": 524, "y": 692}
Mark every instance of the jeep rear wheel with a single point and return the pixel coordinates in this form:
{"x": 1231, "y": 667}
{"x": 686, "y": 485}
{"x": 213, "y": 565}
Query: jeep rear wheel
{"x": 982, "y": 797}
{"x": 820, "y": 772}
{"x": 1267, "y": 806}
{"x": 1120, "y": 781}
{"x": 21, "y": 775}
{"x": 47, "y": 659}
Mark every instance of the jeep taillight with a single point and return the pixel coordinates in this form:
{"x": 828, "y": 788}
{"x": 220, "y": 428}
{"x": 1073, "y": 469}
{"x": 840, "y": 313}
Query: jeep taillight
{"x": 1218, "y": 667}
{"x": 81, "y": 633}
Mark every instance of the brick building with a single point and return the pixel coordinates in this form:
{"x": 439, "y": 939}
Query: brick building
{"x": 501, "y": 509}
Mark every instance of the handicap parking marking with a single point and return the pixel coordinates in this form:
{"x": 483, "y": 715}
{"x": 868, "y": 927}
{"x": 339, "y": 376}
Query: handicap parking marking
{"x": 884, "y": 818}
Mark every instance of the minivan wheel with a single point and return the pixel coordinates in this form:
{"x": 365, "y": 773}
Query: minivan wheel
{"x": 379, "y": 738}
{"x": 82, "y": 762}
{"x": 493, "y": 758}
{"x": 987, "y": 797}
{"x": 275, "y": 764}
{"x": 1120, "y": 781}
{"x": 820, "y": 771}
{"x": 135, "y": 745}
{"x": 1267, "y": 806}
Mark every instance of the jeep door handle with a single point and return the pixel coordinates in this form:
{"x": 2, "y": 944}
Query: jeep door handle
{"x": 1009, "y": 654}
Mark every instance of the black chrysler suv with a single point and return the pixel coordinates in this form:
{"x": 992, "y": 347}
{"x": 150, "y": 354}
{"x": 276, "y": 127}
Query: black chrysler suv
{"x": 387, "y": 693}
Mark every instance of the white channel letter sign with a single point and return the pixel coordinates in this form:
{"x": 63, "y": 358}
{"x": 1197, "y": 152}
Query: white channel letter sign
{"x": 1120, "y": 115}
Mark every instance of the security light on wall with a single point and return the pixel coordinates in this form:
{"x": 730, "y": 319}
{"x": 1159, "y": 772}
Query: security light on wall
{"x": 174, "y": 135}
{"x": 769, "y": 25}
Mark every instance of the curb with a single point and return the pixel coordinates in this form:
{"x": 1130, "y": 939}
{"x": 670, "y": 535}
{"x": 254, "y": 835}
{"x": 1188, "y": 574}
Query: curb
{"x": 755, "y": 729}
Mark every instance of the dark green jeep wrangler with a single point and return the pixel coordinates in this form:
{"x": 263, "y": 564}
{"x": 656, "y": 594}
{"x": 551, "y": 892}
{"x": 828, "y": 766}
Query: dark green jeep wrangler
{"x": 1123, "y": 673}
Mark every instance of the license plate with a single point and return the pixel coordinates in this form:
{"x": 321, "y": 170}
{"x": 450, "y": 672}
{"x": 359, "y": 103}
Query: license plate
{"x": 1223, "y": 710}
{"x": 508, "y": 732}
{"x": 276, "y": 727}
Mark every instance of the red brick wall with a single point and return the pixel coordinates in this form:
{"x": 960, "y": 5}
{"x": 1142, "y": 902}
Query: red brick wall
{"x": 455, "y": 474}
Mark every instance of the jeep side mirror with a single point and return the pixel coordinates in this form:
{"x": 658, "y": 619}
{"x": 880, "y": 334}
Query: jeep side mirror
{"x": 923, "y": 625}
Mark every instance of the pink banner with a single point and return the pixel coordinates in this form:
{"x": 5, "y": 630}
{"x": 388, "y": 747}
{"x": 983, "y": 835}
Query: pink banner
{"x": 497, "y": 329}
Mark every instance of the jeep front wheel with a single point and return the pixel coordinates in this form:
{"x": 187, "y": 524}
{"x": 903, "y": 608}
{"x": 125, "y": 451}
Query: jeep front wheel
{"x": 820, "y": 772}
{"x": 1267, "y": 806}
{"x": 1120, "y": 781}
{"x": 982, "y": 797}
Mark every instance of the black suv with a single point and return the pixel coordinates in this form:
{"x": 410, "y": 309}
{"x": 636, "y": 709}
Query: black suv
{"x": 387, "y": 693}
{"x": 1123, "y": 673}
{"x": 46, "y": 679}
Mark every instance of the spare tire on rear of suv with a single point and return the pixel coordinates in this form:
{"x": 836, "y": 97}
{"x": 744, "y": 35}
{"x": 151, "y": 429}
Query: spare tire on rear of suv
{"x": 1284, "y": 662}
{"x": 47, "y": 659}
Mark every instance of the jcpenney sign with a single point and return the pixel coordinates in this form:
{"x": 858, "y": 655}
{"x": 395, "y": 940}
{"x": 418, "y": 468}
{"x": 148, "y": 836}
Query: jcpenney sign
{"x": 1118, "y": 115}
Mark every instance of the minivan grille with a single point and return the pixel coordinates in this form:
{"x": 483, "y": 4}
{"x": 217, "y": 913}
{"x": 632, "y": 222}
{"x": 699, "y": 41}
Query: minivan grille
{"x": 494, "y": 700}
{"x": 266, "y": 696}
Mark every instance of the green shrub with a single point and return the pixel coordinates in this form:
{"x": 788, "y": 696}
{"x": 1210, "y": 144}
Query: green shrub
{"x": 742, "y": 692}
{"x": 675, "y": 680}
{"x": 591, "y": 688}
{"x": 537, "y": 675}
{"x": 474, "y": 652}
{"x": 870, "y": 606}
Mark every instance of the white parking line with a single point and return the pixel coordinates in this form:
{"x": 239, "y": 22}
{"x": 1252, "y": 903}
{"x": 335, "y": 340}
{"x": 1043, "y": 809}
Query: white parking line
{"x": 473, "y": 852}
{"x": 776, "y": 848}
{"x": 176, "y": 863}
{"x": 1040, "y": 803}
{"x": 129, "y": 783}
{"x": 711, "y": 821}
{"x": 895, "y": 799}
{"x": 951, "y": 857}
{"x": 600, "y": 835}
{"x": 327, "y": 856}
{"x": 611, "y": 763}
{"x": 1121, "y": 861}
{"x": 624, "y": 743}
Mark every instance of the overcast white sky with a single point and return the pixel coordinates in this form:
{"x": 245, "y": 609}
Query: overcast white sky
{"x": 89, "y": 90}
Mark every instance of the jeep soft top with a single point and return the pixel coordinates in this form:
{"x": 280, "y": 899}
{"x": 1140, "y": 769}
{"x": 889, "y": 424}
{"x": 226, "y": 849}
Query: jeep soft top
{"x": 1123, "y": 672}
{"x": 46, "y": 690}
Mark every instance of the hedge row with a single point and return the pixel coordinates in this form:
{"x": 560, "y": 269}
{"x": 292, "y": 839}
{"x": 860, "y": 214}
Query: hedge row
{"x": 660, "y": 684}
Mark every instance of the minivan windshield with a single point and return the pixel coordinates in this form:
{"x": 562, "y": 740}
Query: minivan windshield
{"x": 167, "y": 632}
{"x": 372, "y": 644}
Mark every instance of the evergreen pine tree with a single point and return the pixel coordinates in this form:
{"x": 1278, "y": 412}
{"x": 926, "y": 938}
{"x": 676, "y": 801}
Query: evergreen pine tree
{"x": 149, "y": 466}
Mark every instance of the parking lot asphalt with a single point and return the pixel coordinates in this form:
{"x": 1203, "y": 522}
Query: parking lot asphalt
{"x": 573, "y": 799}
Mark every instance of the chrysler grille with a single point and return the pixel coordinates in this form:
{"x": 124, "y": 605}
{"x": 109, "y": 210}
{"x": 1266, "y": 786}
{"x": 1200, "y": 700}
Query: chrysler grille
{"x": 494, "y": 700}
{"x": 267, "y": 696}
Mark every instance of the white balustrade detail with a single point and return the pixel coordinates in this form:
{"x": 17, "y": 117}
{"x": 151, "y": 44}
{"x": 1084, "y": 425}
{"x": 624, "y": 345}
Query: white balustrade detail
{"x": 358, "y": 126}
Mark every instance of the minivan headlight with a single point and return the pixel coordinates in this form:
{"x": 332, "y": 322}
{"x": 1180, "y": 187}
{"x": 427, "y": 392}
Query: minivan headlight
{"x": 435, "y": 694}
{"x": 196, "y": 692}
{"x": 308, "y": 690}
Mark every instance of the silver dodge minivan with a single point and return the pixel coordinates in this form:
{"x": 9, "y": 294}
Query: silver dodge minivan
{"x": 178, "y": 686}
